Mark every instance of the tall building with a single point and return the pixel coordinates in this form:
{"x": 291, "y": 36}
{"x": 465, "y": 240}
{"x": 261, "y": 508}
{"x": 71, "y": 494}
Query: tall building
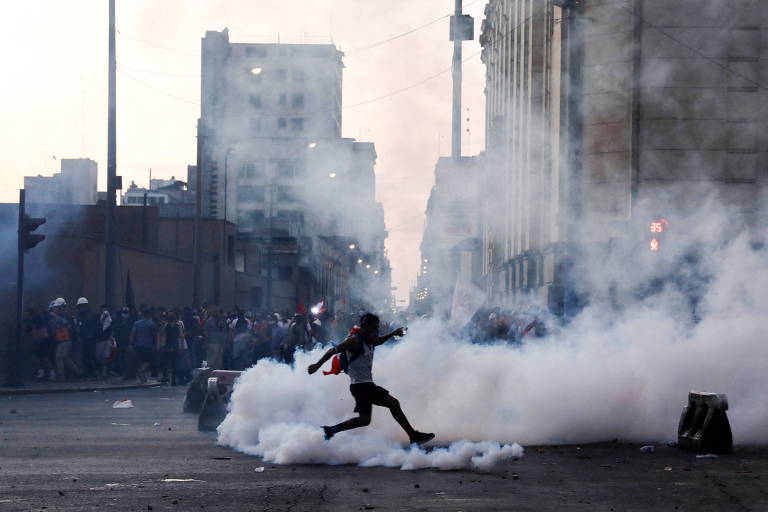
{"x": 450, "y": 243}
{"x": 273, "y": 161}
{"x": 599, "y": 113}
{"x": 75, "y": 184}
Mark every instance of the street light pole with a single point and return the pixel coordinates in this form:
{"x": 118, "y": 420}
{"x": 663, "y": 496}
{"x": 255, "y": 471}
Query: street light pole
{"x": 109, "y": 227}
{"x": 456, "y": 73}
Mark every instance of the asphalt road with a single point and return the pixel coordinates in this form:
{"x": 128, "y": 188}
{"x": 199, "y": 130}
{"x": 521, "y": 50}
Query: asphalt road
{"x": 74, "y": 452}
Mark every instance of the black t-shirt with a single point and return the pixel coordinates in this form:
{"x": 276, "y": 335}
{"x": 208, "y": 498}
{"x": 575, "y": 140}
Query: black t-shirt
{"x": 172, "y": 335}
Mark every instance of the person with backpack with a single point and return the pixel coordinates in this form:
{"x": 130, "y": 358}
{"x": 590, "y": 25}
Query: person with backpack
{"x": 356, "y": 359}
{"x": 142, "y": 340}
{"x": 62, "y": 330}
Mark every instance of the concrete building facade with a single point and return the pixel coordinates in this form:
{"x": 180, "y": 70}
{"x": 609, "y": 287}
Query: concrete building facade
{"x": 602, "y": 113}
{"x": 75, "y": 184}
{"x": 273, "y": 161}
{"x": 451, "y": 241}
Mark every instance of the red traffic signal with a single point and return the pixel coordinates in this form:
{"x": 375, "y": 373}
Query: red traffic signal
{"x": 30, "y": 239}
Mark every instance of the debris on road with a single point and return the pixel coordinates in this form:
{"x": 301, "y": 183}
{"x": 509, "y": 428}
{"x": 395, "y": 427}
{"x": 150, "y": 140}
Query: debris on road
{"x": 125, "y": 403}
{"x": 259, "y": 469}
{"x": 173, "y": 480}
{"x": 708, "y": 456}
{"x": 121, "y": 424}
{"x": 648, "y": 448}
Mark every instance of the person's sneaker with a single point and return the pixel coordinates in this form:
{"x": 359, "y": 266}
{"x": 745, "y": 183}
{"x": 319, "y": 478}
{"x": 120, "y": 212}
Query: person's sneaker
{"x": 420, "y": 438}
{"x": 328, "y": 431}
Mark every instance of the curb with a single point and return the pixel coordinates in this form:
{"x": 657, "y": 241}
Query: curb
{"x": 23, "y": 391}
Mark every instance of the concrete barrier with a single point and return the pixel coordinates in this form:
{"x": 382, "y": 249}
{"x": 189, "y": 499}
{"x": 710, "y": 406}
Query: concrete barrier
{"x": 704, "y": 425}
{"x": 193, "y": 401}
{"x": 214, "y": 407}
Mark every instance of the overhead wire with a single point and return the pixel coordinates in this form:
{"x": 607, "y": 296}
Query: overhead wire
{"x": 162, "y": 73}
{"x": 359, "y": 50}
{"x": 371, "y": 100}
{"x": 185, "y": 100}
{"x": 150, "y": 43}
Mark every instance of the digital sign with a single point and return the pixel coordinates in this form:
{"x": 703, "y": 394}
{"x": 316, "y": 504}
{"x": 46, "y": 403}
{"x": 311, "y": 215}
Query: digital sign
{"x": 657, "y": 228}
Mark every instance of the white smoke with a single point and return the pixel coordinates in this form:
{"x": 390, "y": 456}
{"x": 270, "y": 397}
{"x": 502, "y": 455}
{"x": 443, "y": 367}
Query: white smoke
{"x": 612, "y": 373}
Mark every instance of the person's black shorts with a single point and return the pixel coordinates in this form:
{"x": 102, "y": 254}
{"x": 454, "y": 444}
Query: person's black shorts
{"x": 368, "y": 394}
{"x": 144, "y": 354}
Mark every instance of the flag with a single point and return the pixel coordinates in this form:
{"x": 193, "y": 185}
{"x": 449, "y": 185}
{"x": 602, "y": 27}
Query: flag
{"x": 129, "y": 299}
{"x": 319, "y": 308}
{"x": 335, "y": 366}
{"x": 467, "y": 299}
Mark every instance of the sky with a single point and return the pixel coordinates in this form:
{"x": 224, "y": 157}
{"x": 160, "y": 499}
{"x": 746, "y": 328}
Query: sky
{"x": 54, "y": 92}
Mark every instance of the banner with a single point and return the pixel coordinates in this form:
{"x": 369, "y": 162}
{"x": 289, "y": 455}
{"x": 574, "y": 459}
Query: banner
{"x": 467, "y": 299}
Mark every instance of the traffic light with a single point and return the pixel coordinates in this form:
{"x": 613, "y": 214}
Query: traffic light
{"x": 30, "y": 239}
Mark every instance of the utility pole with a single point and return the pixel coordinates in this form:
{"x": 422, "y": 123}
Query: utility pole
{"x": 462, "y": 29}
{"x": 198, "y": 215}
{"x": 109, "y": 228}
{"x": 456, "y": 73}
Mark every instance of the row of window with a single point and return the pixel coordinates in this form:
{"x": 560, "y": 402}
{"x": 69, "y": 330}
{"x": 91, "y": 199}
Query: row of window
{"x": 140, "y": 200}
{"x": 257, "y": 169}
{"x": 297, "y": 100}
{"x": 257, "y": 124}
{"x": 287, "y": 51}
{"x": 255, "y": 216}
{"x": 256, "y": 193}
{"x": 298, "y": 76}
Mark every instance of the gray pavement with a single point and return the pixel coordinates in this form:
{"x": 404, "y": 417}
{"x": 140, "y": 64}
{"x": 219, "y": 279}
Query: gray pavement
{"x": 74, "y": 452}
{"x": 38, "y": 386}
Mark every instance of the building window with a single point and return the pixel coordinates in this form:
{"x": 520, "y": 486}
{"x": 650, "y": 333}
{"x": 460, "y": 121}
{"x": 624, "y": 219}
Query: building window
{"x": 250, "y": 193}
{"x": 255, "y": 100}
{"x": 282, "y": 75}
{"x": 231, "y": 251}
{"x": 297, "y": 100}
{"x": 299, "y": 76}
{"x": 255, "y": 124}
{"x": 285, "y": 193}
{"x": 297, "y": 124}
{"x": 282, "y": 99}
{"x": 240, "y": 261}
{"x": 281, "y": 122}
{"x": 285, "y": 168}
{"x": 255, "y": 51}
{"x": 252, "y": 170}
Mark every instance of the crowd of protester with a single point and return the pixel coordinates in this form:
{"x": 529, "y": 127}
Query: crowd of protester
{"x": 168, "y": 343}
{"x": 511, "y": 326}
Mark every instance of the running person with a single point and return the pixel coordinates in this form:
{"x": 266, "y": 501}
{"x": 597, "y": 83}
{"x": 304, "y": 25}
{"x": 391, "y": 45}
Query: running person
{"x": 359, "y": 348}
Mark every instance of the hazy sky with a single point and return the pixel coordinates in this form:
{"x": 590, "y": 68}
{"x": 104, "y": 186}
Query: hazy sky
{"x": 55, "y": 83}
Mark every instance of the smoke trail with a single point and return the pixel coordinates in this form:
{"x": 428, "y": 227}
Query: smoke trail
{"x": 612, "y": 373}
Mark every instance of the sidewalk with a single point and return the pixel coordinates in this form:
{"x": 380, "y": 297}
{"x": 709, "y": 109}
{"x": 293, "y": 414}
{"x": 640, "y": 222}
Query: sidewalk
{"x": 33, "y": 386}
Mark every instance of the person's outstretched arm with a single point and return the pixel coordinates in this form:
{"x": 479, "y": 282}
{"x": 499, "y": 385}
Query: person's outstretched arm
{"x": 383, "y": 339}
{"x": 347, "y": 344}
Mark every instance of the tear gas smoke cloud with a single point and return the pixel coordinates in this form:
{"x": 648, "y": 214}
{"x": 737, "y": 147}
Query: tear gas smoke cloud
{"x": 613, "y": 372}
